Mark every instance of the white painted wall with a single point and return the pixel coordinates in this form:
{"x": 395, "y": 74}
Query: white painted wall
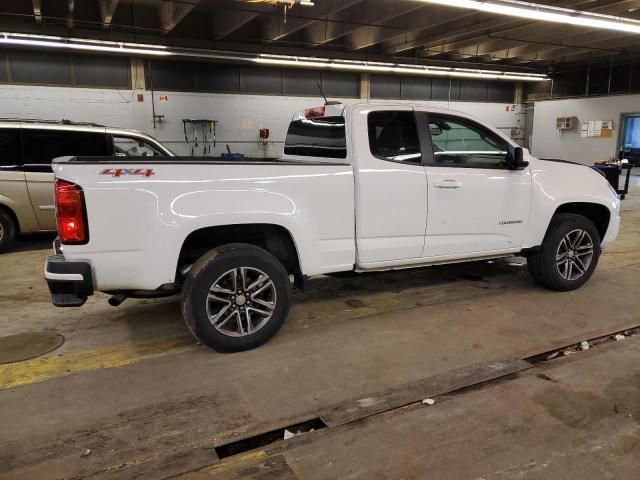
{"x": 240, "y": 116}
{"x": 547, "y": 142}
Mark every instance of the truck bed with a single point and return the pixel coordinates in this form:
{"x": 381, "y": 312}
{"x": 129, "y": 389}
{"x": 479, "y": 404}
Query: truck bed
{"x": 141, "y": 211}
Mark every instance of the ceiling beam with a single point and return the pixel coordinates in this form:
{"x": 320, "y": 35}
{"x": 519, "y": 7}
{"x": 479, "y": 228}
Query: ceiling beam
{"x": 539, "y": 49}
{"x": 227, "y": 21}
{"x": 274, "y": 27}
{"x": 469, "y": 28}
{"x": 514, "y": 39}
{"x": 596, "y": 48}
{"x": 378, "y": 12}
{"x": 107, "y": 10}
{"x": 493, "y": 24}
{"x": 172, "y": 13}
{"x": 584, "y": 58}
{"x": 37, "y": 10}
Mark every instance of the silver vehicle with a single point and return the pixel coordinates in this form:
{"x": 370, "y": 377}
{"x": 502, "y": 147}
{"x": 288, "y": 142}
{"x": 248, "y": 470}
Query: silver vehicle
{"x": 26, "y": 179}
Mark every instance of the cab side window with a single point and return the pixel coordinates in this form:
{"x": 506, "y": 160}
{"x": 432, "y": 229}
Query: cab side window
{"x": 393, "y": 135}
{"x": 459, "y": 142}
{"x": 133, "y": 147}
{"x": 42, "y": 146}
{"x": 9, "y": 148}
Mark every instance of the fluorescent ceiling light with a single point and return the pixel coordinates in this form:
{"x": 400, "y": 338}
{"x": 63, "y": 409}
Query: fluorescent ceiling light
{"x": 45, "y": 41}
{"x": 401, "y": 68}
{"x": 546, "y": 13}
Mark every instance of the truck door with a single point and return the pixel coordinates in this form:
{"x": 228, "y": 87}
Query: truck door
{"x": 391, "y": 186}
{"x": 476, "y": 204}
{"x": 40, "y": 147}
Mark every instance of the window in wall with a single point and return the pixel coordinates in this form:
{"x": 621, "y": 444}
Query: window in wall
{"x": 385, "y": 86}
{"x": 340, "y": 84}
{"x": 502, "y": 92}
{"x": 99, "y": 71}
{"x": 67, "y": 70}
{"x": 41, "y": 67}
{"x": 10, "y": 147}
{"x": 41, "y": 146}
{"x": 393, "y": 135}
{"x": 462, "y": 143}
{"x": 317, "y": 137}
{"x": 228, "y": 78}
{"x": 261, "y": 80}
{"x": 472, "y": 90}
{"x": 301, "y": 82}
{"x": 440, "y": 89}
{"x": 418, "y": 88}
{"x": 4, "y": 73}
{"x": 212, "y": 77}
{"x": 170, "y": 75}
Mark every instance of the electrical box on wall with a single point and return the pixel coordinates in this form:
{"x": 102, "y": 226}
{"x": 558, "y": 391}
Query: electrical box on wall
{"x": 566, "y": 123}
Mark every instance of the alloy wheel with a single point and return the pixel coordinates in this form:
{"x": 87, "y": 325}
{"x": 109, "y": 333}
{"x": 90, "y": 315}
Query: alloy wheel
{"x": 241, "y": 301}
{"x": 574, "y": 254}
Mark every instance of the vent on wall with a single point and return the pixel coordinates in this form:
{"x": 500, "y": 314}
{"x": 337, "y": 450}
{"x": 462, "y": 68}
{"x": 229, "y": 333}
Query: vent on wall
{"x": 566, "y": 123}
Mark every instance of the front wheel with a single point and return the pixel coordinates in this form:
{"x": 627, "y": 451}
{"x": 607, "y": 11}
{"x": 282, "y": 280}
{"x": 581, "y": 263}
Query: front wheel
{"x": 236, "y": 297}
{"x": 568, "y": 255}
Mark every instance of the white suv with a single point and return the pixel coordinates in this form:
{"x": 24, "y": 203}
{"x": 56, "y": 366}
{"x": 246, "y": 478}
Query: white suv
{"x": 27, "y": 148}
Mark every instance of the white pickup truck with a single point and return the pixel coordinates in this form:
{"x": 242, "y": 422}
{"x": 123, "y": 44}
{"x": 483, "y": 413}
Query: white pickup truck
{"x": 361, "y": 187}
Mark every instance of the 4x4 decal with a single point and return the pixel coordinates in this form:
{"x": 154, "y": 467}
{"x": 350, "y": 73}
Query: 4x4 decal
{"x": 119, "y": 172}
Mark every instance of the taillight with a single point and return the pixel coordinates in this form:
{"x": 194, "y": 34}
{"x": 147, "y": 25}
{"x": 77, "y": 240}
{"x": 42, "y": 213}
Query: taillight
{"x": 70, "y": 213}
{"x": 314, "y": 112}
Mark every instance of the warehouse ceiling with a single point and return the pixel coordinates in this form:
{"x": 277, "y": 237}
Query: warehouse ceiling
{"x": 357, "y": 29}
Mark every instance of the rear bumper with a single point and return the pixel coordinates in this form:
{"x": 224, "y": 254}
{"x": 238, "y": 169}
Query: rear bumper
{"x": 70, "y": 283}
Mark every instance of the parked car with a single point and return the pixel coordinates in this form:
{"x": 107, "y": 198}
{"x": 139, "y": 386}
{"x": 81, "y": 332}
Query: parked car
{"x": 361, "y": 187}
{"x": 26, "y": 178}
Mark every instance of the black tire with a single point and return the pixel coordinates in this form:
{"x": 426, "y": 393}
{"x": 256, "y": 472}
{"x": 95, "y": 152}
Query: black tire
{"x": 204, "y": 275}
{"x": 542, "y": 264}
{"x": 7, "y": 231}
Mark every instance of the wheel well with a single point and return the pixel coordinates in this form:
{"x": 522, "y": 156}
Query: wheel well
{"x": 273, "y": 238}
{"x": 13, "y": 216}
{"x": 598, "y": 214}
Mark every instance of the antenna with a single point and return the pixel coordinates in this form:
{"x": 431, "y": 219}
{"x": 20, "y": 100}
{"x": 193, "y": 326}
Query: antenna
{"x": 326, "y": 102}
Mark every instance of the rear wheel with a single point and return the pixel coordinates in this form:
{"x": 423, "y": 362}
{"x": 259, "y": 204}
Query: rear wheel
{"x": 568, "y": 255}
{"x": 236, "y": 297}
{"x": 7, "y": 231}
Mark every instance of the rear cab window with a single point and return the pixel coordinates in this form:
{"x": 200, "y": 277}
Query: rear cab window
{"x": 316, "y": 137}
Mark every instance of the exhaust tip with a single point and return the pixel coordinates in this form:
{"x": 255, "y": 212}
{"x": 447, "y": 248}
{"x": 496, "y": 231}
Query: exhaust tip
{"x": 116, "y": 300}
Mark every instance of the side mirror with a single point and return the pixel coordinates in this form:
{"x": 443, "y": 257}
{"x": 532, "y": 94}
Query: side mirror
{"x": 516, "y": 159}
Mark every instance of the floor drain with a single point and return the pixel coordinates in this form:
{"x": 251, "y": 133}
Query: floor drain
{"x": 264, "y": 439}
{"x": 577, "y": 347}
{"x": 23, "y": 346}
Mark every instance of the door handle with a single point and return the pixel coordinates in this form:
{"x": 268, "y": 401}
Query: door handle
{"x": 449, "y": 183}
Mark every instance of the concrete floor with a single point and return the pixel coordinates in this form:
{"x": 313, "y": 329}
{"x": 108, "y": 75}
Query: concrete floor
{"x": 131, "y": 387}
